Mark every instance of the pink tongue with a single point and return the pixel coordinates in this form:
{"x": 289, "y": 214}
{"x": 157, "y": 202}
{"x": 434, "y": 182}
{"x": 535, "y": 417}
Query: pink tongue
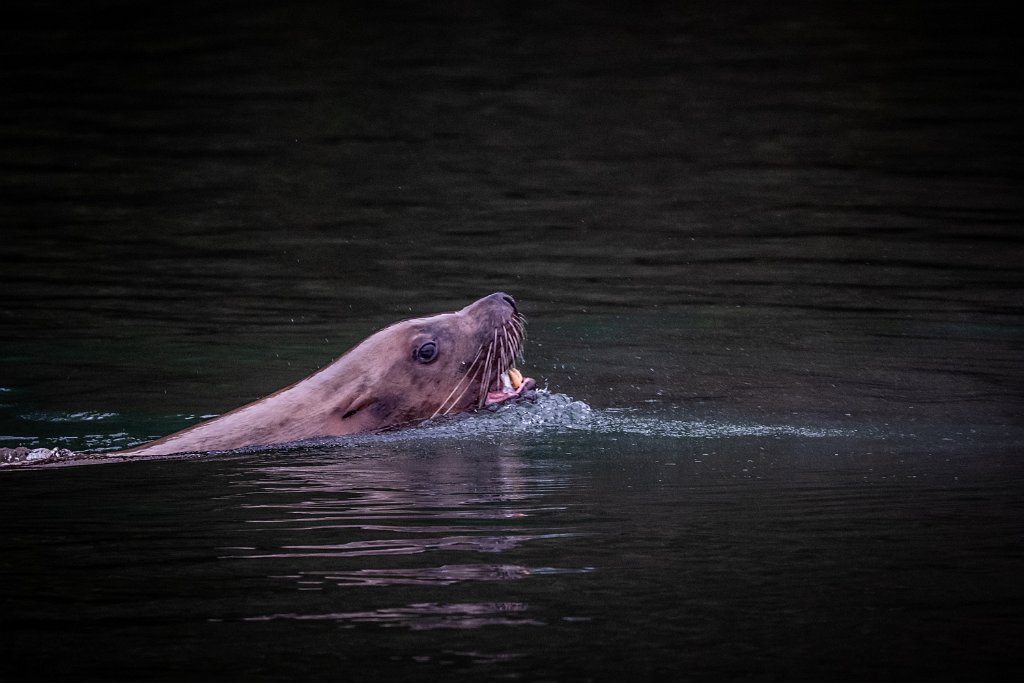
{"x": 499, "y": 396}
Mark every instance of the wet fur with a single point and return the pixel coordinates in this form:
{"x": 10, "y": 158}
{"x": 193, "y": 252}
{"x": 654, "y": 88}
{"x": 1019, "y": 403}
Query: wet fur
{"x": 376, "y": 385}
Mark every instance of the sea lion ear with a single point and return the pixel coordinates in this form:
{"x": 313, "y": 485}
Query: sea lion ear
{"x": 426, "y": 352}
{"x": 353, "y": 407}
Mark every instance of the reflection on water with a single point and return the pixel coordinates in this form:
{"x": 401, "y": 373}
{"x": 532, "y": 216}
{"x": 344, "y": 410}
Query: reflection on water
{"x": 426, "y": 617}
{"x": 638, "y": 542}
{"x": 334, "y": 518}
{"x": 440, "y": 576}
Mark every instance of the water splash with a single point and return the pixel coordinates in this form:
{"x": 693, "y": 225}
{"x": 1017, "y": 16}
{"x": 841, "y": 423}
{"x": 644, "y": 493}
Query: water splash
{"x": 82, "y": 416}
{"x": 550, "y": 413}
{"x": 28, "y": 456}
{"x": 559, "y": 413}
{"x": 425, "y": 616}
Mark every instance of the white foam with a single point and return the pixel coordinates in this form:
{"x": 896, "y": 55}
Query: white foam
{"x": 559, "y": 413}
{"x": 82, "y": 416}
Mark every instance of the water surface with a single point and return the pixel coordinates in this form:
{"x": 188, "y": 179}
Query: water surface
{"x": 771, "y": 260}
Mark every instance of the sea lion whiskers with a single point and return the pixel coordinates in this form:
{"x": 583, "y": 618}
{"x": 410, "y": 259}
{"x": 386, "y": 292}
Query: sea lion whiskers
{"x": 496, "y": 357}
{"x": 457, "y": 398}
{"x": 516, "y": 333}
{"x": 503, "y": 347}
{"x": 467, "y": 376}
{"x": 487, "y": 377}
{"x": 516, "y": 326}
{"x": 475, "y": 372}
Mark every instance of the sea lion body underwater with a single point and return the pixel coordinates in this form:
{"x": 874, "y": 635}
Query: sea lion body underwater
{"x": 408, "y": 372}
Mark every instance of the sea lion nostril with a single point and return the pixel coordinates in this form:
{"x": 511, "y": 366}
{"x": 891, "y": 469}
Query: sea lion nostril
{"x": 511, "y": 302}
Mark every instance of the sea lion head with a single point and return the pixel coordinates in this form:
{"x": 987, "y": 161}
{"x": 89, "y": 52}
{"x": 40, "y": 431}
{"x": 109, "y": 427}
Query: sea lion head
{"x": 428, "y": 367}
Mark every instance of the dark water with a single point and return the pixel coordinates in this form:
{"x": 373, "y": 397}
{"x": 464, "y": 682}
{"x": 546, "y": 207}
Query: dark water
{"x": 773, "y": 255}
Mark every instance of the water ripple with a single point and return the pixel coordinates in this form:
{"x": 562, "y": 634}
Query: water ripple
{"x": 554, "y": 412}
{"x": 81, "y": 416}
{"x": 425, "y": 616}
{"x": 442, "y": 576}
{"x": 404, "y": 546}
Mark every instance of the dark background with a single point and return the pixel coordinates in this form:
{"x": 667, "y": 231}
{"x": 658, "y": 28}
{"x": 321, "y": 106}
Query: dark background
{"x": 833, "y": 190}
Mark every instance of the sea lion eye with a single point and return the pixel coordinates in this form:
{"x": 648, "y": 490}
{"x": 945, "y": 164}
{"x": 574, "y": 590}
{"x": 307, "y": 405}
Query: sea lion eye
{"x": 426, "y": 352}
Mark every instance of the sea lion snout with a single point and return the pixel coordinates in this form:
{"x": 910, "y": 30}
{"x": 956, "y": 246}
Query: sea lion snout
{"x": 493, "y": 310}
{"x": 507, "y": 298}
{"x": 496, "y": 299}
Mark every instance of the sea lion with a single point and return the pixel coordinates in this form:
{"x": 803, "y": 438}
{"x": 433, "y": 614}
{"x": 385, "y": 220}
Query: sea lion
{"x": 411, "y": 371}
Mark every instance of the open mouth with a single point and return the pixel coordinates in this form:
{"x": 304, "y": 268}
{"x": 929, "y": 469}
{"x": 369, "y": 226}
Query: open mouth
{"x": 509, "y": 385}
{"x": 507, "y": 381}
{"x": 492, "y": 372}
